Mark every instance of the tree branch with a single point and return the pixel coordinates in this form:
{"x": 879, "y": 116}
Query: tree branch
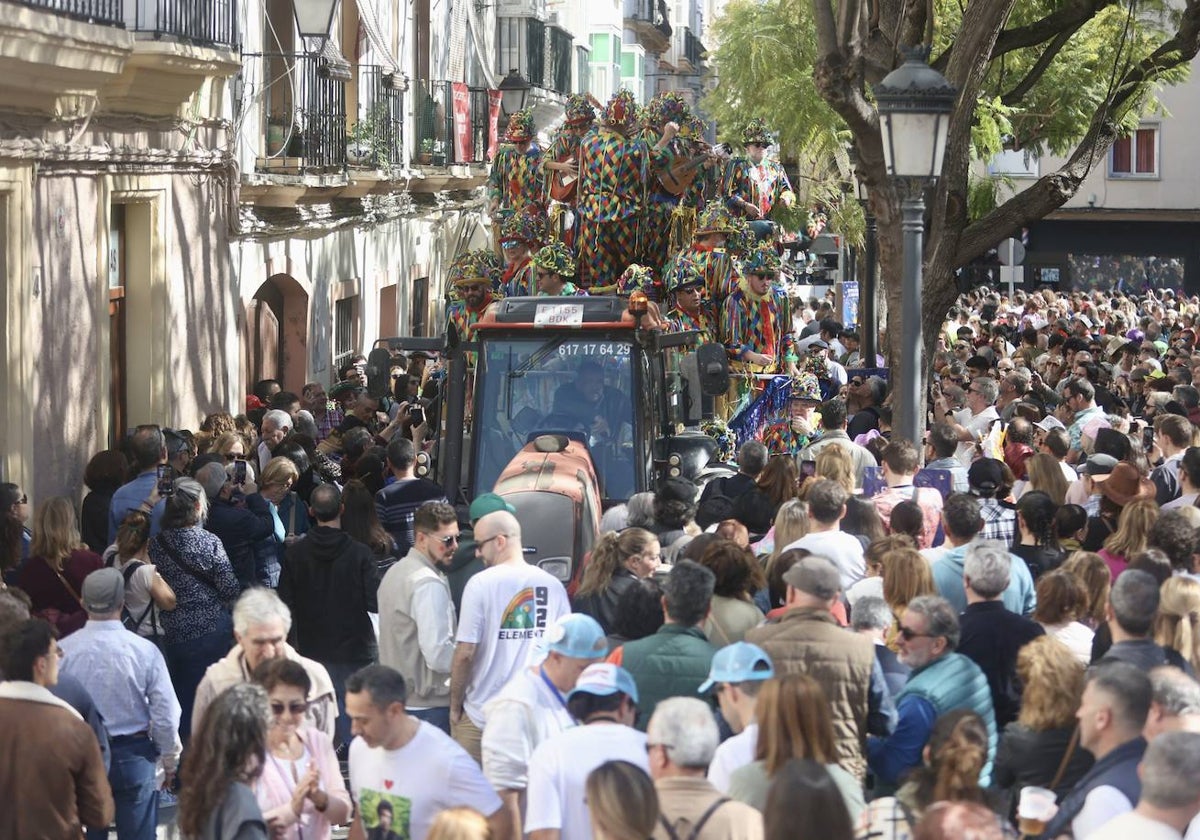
{"x": 1040, "y": 66}
{"x": 1074, "y": 14}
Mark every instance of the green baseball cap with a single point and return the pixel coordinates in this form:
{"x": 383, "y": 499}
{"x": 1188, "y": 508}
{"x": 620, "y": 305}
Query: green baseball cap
{"x": 488, "y": 503}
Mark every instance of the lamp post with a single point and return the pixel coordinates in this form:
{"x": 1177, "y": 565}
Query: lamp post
{"x": 514, "y": 91}
{"x": 868, "y": 318}
{"x": 314, "y": 19}
{"x": 915, "y": 102}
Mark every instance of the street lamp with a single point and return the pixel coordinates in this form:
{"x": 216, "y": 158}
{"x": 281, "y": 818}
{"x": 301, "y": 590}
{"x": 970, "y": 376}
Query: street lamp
{"x": 514, "y": 90}
{"x": 868, "y": 320}
{"x": 915, "y": 102}
{"x": 314, "y": 19}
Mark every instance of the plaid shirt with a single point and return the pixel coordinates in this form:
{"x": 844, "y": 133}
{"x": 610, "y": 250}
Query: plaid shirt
{"x": 999, "y": 521}
{"x": 327, "y": 422}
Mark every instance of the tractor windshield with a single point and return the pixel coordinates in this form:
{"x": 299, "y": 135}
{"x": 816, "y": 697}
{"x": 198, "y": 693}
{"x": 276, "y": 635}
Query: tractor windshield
{"x": 576, "y": 384}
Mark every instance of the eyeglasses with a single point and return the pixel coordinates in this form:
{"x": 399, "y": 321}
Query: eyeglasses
{"x": 650, "y": 746}
{"x": 448, "y": 540}
{"x": 278, "y": 709}
{"x": 855, "y": 382}
{"x": 479, "y": 545}
{"x": 909, "y": 634}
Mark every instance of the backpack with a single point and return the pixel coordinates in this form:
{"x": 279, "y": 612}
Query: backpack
{"x": 127, "y": 619}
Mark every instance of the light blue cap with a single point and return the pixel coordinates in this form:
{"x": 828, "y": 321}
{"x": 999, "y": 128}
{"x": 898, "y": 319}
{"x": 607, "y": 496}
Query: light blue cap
{"x": 737, "y": 663}
{"x": 603, "y": 679}
{"x": 578, "y": 636}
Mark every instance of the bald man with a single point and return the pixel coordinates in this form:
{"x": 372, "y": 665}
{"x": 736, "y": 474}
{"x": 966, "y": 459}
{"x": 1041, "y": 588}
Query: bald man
{"x": 506, "y": 609}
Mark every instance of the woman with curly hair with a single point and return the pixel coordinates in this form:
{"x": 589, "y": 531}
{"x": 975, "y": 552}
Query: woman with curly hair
{"x": 954, "y": 757}
{"x": 1033, "y": 746}
{"x": 223, "y": 760}
{"x": 1090, "y": 570}
{"x": 739, "y": 576}
{"x": 1061, "y": 602}
{"x": 618, "y": 561}
{"x": 1177, "y": 625}
{"x": 674, "y": 510}
{"x": 1038, "y": 538}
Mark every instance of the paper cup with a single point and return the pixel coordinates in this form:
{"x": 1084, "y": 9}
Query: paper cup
{"x": 1035, "y": 808}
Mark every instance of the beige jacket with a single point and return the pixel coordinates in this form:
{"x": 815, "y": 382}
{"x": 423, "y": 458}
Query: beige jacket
{"x": 231, "y": 670}
{"x": 683, "y": 800}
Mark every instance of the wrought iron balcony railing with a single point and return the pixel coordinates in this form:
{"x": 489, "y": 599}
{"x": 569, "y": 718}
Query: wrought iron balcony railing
{"x": 201, "y": 22}
{"x": 436, "y": 130}
{"x": 304, "y": 108}
{"x": 377, "y": 137}
{"x": 105, "y": 12}
{"x": 543, "y": 53}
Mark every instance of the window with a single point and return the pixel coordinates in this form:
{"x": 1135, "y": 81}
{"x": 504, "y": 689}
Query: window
{"x": 1135, "y": 156}
{"x": 419, "y": 318}
{"x": 1022, "y": 164}
{"x": 344, "y": 312}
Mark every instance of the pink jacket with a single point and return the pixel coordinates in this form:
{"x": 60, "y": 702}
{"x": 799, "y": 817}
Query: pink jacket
{"x": 274, "y": 791}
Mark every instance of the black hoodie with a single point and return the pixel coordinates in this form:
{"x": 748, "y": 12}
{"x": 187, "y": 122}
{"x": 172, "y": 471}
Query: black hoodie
{"x": 329, "y": 581}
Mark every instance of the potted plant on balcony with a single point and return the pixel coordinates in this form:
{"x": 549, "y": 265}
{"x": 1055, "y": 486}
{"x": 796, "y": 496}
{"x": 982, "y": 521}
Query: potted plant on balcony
{"x": 367, "y": 142}
{"x": 425, "y": 156}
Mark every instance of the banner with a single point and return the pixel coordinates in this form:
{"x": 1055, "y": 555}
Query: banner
{"x": 493, "y": 122}
{"x": 849, "y": 291}
{"x": 461, "y": 97}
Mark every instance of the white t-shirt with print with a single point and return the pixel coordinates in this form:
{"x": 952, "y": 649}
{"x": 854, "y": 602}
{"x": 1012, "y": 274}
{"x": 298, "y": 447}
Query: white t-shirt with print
{"x": 505, "y": 612}
{"x": 558, "y": 772}
{"x": 420, "y": 780}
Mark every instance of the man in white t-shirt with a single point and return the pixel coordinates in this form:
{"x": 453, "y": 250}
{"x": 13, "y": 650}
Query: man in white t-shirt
{"x": 738, "y": 672}
{"x": 1170, "y": 797}
{"x": 825, "y": 538}
{"x": 404, "y": 771}
{"x": 973, "y": 423}
{"x": 532, "y": 708}
{"x": 604, "y": 700}
{"x": 506, "y": 609}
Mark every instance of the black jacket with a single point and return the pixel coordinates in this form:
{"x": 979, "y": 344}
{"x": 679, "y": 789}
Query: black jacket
{"x": 991, "y": 637}
{"x": 329, "y": 581}
{"x": 1026, "y": 757}
{"x": 239, "y": 528}
{"x": 602, "y": 605}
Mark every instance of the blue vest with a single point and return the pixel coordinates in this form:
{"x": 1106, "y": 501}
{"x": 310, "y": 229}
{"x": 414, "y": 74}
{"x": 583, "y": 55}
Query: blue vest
{"x": 955, "y": 682}
{"x": 1118, "y": 769}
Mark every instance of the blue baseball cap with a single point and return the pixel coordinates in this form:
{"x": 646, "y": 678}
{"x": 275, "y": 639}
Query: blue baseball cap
{"x": 578, "y": 636}
{"x": 603, "y": 679}
{"x": 737, "y": 663}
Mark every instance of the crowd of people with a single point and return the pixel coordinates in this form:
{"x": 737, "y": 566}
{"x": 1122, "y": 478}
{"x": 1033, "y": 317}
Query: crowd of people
{"x": 991, "y": 630}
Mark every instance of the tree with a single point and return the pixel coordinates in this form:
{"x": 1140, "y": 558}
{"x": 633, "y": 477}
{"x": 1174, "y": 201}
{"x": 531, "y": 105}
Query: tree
{"x": 1064, "y": 76}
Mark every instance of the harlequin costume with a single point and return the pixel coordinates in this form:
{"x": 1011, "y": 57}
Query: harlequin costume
{"x": 640, "y": 278}
{"x": 473, "y": 267}
{"x": 562, "y": 189}
{"x": 762, "y": 185}
{"x": 715, "y": 263}
{"x": 614, "y": 169}
{"x": 515, "y": 181}
{"x": 754, "y": 323}
{"x": 658, "y": 218}
{"x": 558, "y": 259}
{"x": 520, "y": 278}
{"x": 786, "y": 436}
{"x": 684, "y": 274}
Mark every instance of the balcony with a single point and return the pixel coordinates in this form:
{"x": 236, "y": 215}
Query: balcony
{"x": 303, "y": 112}
{"x": 55, "y": 55}
{"x": 544, "y": 54}
{"x": 693, "y": 51}
{"x": 103, "y": 12}
{"x": 653, "y": 32}
{"x": 450, "y": 152}
{"x": 212, "y": 23}
{"x": 376, "y": 140}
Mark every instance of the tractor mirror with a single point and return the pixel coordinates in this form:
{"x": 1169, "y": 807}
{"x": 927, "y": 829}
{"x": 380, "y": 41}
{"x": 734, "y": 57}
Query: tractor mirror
{"x": 379, "y": 371}
{"x": 714, "y": 369}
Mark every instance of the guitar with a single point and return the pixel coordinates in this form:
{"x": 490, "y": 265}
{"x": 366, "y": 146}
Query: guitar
{"x": 676, "y": 179}
{"x": 563, "y": 185}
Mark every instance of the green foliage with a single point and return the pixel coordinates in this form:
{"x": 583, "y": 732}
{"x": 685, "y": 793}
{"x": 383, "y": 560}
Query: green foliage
{"x": 372, "y": 135}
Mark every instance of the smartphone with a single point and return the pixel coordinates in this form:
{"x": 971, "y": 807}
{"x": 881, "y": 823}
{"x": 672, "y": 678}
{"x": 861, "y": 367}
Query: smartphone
{"x": 416, "y": 415}
{"x": 1148, "y": 438}
{"x": 808, "y": 469}
{"x": 239, "y": 472}
{"x": 166, "y": 480}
